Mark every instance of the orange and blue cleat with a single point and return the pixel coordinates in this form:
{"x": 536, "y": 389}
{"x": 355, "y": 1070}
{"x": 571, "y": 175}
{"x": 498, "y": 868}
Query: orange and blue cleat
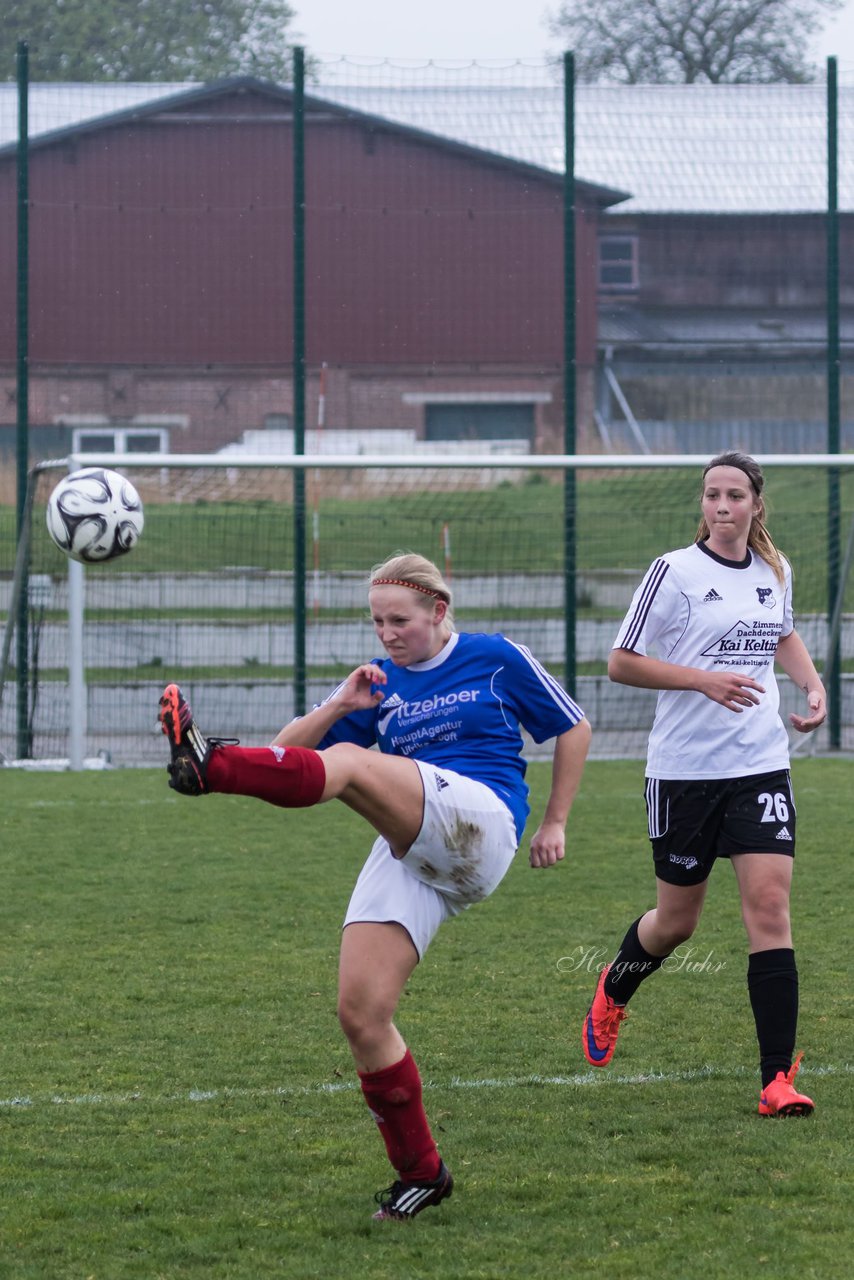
{"x": 602, "y": 1025}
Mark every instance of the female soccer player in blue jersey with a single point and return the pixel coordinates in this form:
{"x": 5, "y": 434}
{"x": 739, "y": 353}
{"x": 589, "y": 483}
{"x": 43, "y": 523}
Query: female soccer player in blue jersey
{"x": 446, "y": 795}
{"x": 705, "y": 627}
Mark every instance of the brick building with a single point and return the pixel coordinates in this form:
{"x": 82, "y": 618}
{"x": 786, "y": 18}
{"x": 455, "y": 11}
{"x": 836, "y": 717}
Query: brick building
{"x": 161, "y": 274}
{"x": 161, "y": 264}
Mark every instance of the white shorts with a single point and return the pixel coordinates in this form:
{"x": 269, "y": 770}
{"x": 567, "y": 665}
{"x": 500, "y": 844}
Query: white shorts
{"x": 462, "y": 852}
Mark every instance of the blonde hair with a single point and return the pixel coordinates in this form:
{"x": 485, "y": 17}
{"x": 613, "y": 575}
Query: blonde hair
{"x": 418, "y": 574}
{"x": 758, "y": 539}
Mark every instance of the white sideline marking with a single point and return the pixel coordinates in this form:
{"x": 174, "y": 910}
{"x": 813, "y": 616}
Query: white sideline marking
{"x": 581, "y": 1080}
{"x": 90, "y": 804}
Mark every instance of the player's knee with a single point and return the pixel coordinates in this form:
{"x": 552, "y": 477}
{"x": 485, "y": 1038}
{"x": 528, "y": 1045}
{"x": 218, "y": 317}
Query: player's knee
{"x": 676, "y": 927}
{"x": 351, "y": 1020}
{"x": 768, "y": 915}
{"x": 362, "y": 1021}
{"x": 341, "y": 762}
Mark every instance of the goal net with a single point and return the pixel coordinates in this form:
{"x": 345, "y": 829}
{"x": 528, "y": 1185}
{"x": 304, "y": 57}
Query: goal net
{"x": 219, "y": 596}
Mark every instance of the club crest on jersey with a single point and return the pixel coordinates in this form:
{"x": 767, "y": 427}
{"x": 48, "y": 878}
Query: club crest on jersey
{"x": 766, "y": 597}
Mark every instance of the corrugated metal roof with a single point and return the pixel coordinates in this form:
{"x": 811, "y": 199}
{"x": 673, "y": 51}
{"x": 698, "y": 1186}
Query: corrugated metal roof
{"x": 677, "y": 148}
{"x": 59, "y": 110}
{"x": 64, "y": 106}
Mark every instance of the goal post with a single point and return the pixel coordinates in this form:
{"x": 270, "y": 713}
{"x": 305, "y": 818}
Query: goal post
{"x": 17, "y": 614}
{"x": 210, "y": 597}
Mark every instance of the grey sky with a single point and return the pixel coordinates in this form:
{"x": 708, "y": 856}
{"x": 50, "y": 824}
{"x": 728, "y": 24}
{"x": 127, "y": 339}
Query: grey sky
{"x": 468, "y": 29}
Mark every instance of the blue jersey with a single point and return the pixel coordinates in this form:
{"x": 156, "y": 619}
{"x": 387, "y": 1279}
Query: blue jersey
{"x": 462, "y": 710}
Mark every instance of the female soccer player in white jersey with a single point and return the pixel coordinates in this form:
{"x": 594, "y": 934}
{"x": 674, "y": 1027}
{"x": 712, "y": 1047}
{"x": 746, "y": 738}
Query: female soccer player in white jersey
{"x": 446, "y": 795}
{"x": 705, "y": 627}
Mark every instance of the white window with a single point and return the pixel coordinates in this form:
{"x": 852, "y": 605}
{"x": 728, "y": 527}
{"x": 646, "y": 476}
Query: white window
{"x": 278, "y": 421}
{"x": 105, "y": 438}
{"x": 480, "y": 415}
{"x": 618, "y": 263}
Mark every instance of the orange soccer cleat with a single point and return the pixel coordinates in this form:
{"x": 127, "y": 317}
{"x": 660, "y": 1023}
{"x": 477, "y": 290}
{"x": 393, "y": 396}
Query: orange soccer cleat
{"x": 779, "y": 1098}
{"x": 602, "y": 1025}
{"x": 190, "y": 750}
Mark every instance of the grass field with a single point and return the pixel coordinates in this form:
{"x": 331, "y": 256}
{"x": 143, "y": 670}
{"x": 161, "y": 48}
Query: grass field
{"x": 177, "y": 1100}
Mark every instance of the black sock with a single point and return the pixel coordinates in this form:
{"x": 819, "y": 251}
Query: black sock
{"x": 772, "y": 982}
{"x": 630, "y": 966}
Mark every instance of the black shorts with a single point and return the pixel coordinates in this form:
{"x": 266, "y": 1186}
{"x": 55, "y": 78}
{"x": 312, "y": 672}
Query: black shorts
{"x": 693, "y": 823}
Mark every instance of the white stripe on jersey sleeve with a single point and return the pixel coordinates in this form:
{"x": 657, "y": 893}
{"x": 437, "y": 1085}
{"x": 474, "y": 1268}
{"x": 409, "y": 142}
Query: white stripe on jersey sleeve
{"x": 552, "y": 686}
{"x": 331, "y": 695}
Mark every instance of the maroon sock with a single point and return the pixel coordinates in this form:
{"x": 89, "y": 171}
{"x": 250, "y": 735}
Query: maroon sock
{"x": 290, "y": 777}
{"x": 394, "y": 1098}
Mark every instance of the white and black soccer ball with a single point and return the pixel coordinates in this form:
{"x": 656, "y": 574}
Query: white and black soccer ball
{"x": 95, "y": 515}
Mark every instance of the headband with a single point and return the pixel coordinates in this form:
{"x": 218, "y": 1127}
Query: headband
{"x": 403, "y": 582}
{"x": 736, "y": 467}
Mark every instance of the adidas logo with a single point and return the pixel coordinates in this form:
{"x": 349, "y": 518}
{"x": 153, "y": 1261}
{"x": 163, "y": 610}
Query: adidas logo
{"x": 783, "y": 834}
{"x": 441, "y": 782}
{"x": 387, "y": 709}
{"x": 711, "y": 595}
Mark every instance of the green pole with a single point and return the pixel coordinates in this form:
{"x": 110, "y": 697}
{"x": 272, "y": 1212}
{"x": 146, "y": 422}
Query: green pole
{"x": 569, "y": 371}
{"x": 834, "y": 692}
{"x": 24, "y": 736}
{"x": 299, "y": 382}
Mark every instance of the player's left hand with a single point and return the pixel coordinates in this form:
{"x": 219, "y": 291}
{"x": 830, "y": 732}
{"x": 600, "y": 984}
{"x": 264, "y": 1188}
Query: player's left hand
{"x": 547, "y": 845}
{"x": 817, "y": 704}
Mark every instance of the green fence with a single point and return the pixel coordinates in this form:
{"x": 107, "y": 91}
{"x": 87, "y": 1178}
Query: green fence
{"x": 207, "y": 596}
{"x": 420, "y": 261}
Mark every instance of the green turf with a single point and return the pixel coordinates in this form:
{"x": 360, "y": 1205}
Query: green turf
{"x": 177, "y": 1100}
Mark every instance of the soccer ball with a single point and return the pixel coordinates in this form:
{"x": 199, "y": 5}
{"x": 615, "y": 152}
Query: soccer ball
{"x": 94, "y": 515}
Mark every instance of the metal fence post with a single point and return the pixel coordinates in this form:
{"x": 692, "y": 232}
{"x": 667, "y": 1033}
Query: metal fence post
{"x": 22, "y": 444}
{"x": 834, "y": 692}
{"x": 299, "y": 380}
{"x": 569, "y": 372}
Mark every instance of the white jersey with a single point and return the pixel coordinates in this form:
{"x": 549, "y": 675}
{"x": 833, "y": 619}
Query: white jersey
{"x": 695, "y": 609}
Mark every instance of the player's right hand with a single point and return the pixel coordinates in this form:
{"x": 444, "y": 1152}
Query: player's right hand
{"x": 731, "y": 689}
{"x": 359, "y": 691}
